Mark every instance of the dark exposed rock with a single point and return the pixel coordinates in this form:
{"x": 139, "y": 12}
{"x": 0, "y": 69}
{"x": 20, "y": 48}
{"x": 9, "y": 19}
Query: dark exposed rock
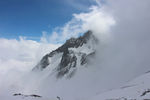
{"x": 147, "y": 72}
{"x": 84, "y": 58}
{"x": 33, "y": 95}
{"x": 17, "y": 94}
{"x": 58, "y": 97}
{"x": 68, "y": 61}
{"x": 145, "y": 92}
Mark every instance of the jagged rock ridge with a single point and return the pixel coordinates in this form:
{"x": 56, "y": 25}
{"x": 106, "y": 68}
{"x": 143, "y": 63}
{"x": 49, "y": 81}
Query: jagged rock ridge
{"x": 73, "y": 53}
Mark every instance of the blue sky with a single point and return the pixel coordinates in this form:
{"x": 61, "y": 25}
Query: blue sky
{"x": 30, "y": 17}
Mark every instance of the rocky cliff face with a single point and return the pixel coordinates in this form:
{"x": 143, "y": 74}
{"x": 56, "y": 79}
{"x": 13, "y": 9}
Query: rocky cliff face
{"x": 74, "y": 53}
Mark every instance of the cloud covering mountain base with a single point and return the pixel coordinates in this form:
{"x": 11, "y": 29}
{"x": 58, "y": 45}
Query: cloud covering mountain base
{"x": 123, "y": 54}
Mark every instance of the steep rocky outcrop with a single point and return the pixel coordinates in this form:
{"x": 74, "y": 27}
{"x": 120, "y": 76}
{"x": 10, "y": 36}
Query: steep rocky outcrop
{"x": 73, "y": 53}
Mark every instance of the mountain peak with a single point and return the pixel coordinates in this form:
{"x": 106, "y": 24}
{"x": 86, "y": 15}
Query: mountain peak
{"x": 72, "y": 54}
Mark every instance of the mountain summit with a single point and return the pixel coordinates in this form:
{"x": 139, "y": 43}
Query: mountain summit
{"x": 74, "y": 53}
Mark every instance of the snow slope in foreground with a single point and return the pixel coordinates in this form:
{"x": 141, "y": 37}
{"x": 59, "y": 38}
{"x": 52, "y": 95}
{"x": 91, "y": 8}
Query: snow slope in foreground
{"x": 138, "y": 89}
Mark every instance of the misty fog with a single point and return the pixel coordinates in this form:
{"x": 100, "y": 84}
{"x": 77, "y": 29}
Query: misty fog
{"x": 122, "y": 28}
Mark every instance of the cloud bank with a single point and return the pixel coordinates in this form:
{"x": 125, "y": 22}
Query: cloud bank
{"x": 17, "y": 57}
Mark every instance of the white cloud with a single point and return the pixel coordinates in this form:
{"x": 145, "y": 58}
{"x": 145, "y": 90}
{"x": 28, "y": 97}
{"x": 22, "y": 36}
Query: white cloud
{"x": 17, "y": 49}
{"x": 17, "y": 57}
{"x": 96, "y": 19}
{"x": 127, "y": 54}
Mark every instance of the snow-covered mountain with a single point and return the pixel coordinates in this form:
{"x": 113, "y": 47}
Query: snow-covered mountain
{"x": 137, "y": 89}
{"x": 74, "y": 53}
